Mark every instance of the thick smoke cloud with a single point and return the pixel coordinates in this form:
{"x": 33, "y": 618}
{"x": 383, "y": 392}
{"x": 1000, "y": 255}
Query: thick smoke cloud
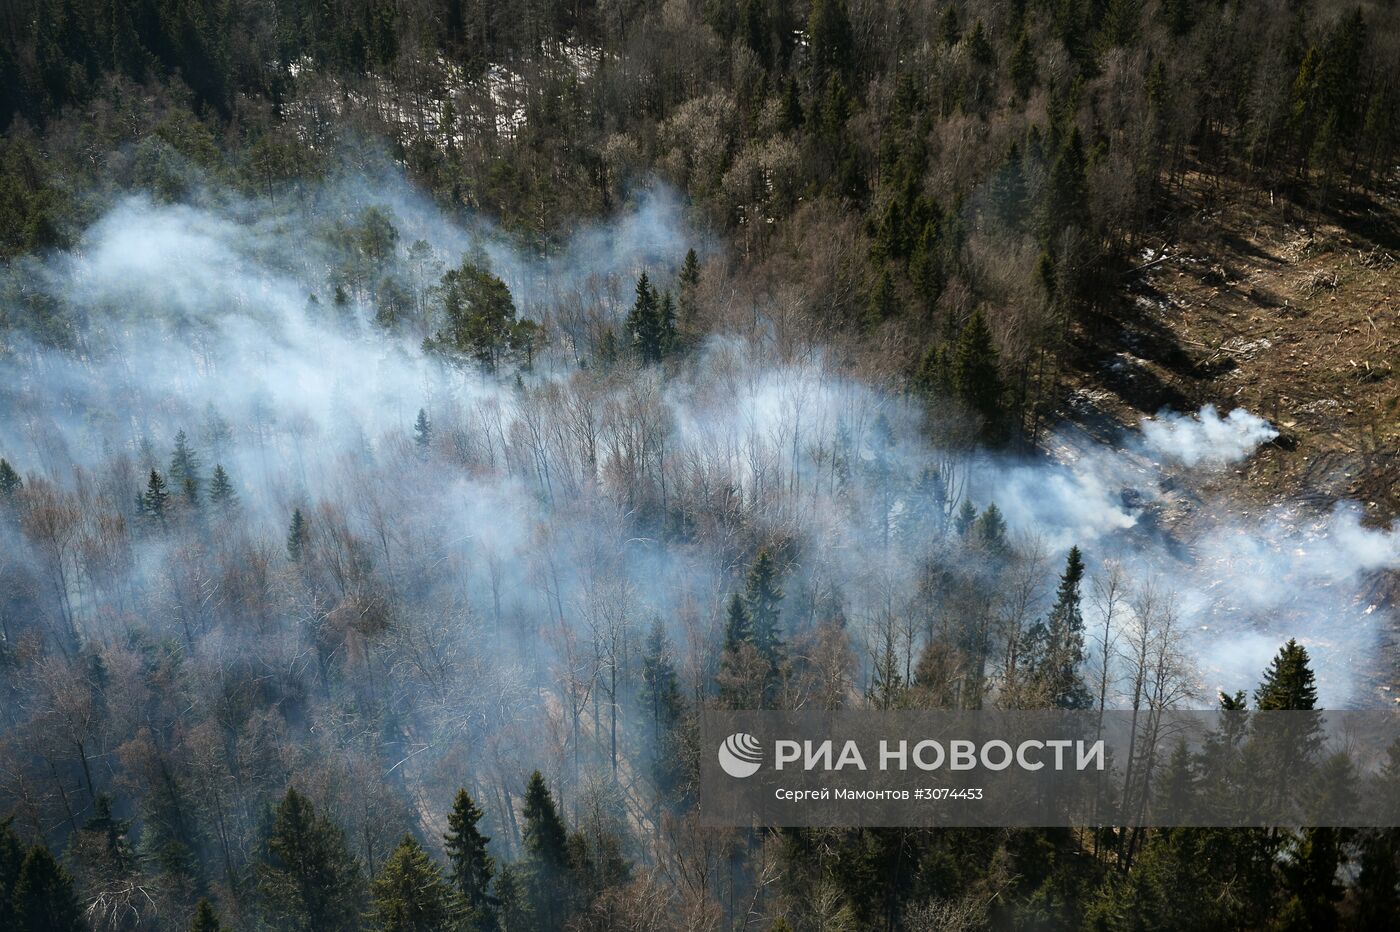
{"x": 1206, "y": 438}
{"x": 519, "y": 530}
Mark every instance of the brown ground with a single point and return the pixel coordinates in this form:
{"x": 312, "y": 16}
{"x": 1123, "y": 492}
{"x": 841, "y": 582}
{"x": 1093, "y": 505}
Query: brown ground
{"x": 1289, "y": 312}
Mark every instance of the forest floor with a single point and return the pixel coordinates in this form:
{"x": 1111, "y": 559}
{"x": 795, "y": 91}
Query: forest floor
{"x": 1290, "y": 313}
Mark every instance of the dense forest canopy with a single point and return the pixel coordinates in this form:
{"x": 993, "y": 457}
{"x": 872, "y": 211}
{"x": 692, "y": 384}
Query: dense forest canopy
{"x": 413, "y": 412}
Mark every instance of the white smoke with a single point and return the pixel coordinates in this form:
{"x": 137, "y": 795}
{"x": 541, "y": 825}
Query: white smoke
{"x": 1205, "y": 438}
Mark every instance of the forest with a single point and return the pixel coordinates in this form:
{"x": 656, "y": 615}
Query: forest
{"x": 415, "y": 413}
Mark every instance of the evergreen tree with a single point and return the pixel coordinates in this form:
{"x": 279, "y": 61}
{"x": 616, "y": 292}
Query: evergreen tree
{"x": 661, "y": 698}
{"x": 156, "y": 500}
{"x": 409, "y": 894}
{"x": 515, "y": 911}
{"x": 205, "y": 918}
{"x": 221, "y": 492}
{"x": 644, "y": 323}
{"x": 184, "y": 467}
{"x": 966, "y": 518}
{"x": 11, "y": 860}
{"x": 546, "y": 844}
{"x": 1289, "y": 684}
{"x": 949, "y": 29}
{"x": 990, "y": 529}
{"x": 670, "y": 337}
{"x": 307, "y": 877}
{"x": 297, "y": 536}
{"x": 884, "y": 303}
{"x": 42, "y": 899}
{"x": 976, "y": 378}
{"x": 830, "y": 41}
{"x": 1065, "y": 628}
{"x": 1066, "y": 198}
{"x": 1023, "y": 65}
{"x": 423, "y": 430}
{"x": 763, "y": 602}
{"x": 10, "y": 482}
{"x": 471, "y": 867}
{"x": 480, "y": 315}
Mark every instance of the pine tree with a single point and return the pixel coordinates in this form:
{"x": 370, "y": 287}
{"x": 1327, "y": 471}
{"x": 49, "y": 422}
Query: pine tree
{"x": 42, "y": 899}
{"x": 471, "y": 867}
{"x": 409, "y": 894}
{"x": 307, "y": 877}
{"x": 221, "y": 492}
{"x": 975, "y": 375}
{"x": 297, "y": 536}
{"x": 10, "y": 482}
{"x": 206, "y": 919}
{"x": 156, "y": 500}
{"x": 423, "y": 431}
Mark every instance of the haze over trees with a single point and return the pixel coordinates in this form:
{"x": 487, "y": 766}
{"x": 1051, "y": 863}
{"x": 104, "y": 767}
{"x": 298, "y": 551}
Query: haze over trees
{"x": 413, "y": 414}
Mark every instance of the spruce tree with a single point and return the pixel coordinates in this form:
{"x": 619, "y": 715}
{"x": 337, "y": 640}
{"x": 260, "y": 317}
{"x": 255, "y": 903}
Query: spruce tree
{"x": 307, "y": 877}
{"x": 423, "y": 430}
{"x": 1066, "y": 197}
{"x": 409, "y": 894}
{"x": 1023, "y": 67}
{"x": 205, "y": 918}
{"x": 11, "y": 859}
{"x": 157, "y": 499}
{"x": 975, "y": 375}
{"x": 297, "y": 536}
{"x": 546, "y": 843}
{"x": 1288, "y": 684}
{"x": 470, "y": 866}
{"x": 221, "y": 492}
{"x": 515, "y": 910}
{"x": 10, "y": 482}
{"x": 1065, "y": 627}
{"x": 644, "y": 322}
{"x": 184, "y": 467}
{"x": 966, "y": 518}
{"x": 991, "y": 529}
{"x": 42, "y": 899}
{"x": 763, "y": 600}
{"x": 662, "y": 702}
{"x": 884, "y": 303}
{"x": 830, "y": 40}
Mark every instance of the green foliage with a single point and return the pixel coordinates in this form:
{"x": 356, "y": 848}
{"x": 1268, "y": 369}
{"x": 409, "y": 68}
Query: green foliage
{"x": 409, "y": 894}
{"x": 975, "y": 375}
{"x": 470, "y": 865}
{"x": 480, "y": 319}
{"x": 1289, "y": 684}
{"x": 206, "y": 919}
{"x": 307, "y": 879}
{"x": 546, "y": 841}
{"x": 42, "y": 898}
{"x": 298, "y": 535}
{"x": 10, "y": 481}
